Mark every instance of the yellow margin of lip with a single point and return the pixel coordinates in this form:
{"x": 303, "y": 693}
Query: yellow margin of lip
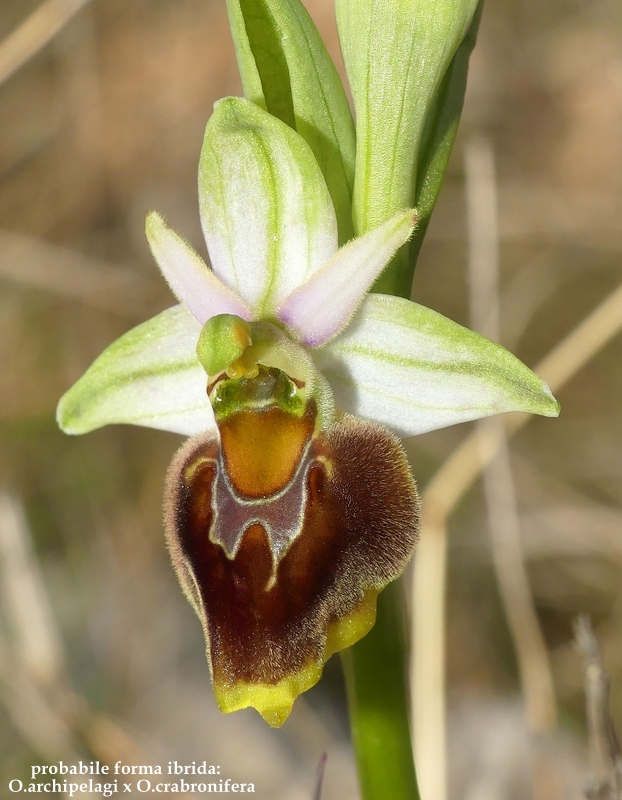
{"x": 274, "y": 701}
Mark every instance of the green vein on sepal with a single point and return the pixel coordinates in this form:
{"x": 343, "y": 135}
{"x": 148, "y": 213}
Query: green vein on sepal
{"x": 149, "y": 376}
{"x": 286, "y": 69}
{"x": 414, "y": 369}
{"x": 266, "y": 212}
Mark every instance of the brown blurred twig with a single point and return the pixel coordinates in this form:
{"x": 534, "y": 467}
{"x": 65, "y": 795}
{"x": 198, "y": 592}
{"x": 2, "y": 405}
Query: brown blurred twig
{"x": 319, "y": 777}
{"x": 34, "y": 686}
{"x": 34, "y": 33}
{"x": 32, "y": 674}
{"x": 36, "y": 643}
{"x": 499, "y": 486}
{"x": 605, "y": 782}
{"x": 36, "y": 264}
{"x": 534, "y": 668}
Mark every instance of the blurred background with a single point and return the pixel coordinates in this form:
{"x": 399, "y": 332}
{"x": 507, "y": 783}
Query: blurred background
{"x": 100, "y": 655}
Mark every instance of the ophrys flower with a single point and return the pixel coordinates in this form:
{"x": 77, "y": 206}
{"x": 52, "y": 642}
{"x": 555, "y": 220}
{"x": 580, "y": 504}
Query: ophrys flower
{"x": 287, "y": 515}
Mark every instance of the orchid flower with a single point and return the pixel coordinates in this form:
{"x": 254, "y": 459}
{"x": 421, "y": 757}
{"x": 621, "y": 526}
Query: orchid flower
{"x": 292, "y": 506}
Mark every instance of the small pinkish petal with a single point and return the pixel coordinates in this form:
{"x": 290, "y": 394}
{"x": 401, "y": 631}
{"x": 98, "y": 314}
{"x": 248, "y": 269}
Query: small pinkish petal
{"x": 321, "y": 308}
{"x": 189, "y": 278}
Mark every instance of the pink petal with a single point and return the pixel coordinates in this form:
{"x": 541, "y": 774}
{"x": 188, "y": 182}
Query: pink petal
{"x": 189, "y": 278}
{"x": 321, "y": 307}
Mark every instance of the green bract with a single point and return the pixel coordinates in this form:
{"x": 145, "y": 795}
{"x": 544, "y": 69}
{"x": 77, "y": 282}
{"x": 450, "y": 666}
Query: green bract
{"x": 407, "y": 63}
{"x": 271, "y": 233}
{"x": 397, "y": 55}
{"x": 438, "y": 136}
{"x": 286, "y": 69}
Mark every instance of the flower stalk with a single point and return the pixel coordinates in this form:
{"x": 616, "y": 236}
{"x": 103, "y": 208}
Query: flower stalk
{"x": 375, "y": 671}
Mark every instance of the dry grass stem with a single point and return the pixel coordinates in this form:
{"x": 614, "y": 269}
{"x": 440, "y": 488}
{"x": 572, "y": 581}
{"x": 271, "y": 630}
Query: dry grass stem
{"x": 34, "y": 33}
{"x": 56, "y": 722}
{"x": 605, "y": 782}
{"x": 499, "y": 485}
{"x": 427, "y": 674}
{"x": 483, "y": 236}
{"x": 32, "y": 263}
{"x": 449, "y": 485}
{"x": 509, "y": 562}
{"x": 37, "y": 722}
{"x": 36, "y": 642}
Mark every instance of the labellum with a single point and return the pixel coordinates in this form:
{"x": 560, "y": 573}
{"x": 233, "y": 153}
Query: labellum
{"x": 283, "y": 528}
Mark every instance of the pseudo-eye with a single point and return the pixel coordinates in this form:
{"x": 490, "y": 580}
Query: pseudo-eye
{"x": 282, "y": 532}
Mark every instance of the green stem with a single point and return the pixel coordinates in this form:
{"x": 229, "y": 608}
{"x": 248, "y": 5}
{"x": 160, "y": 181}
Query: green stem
{"x": 376, "y": 680}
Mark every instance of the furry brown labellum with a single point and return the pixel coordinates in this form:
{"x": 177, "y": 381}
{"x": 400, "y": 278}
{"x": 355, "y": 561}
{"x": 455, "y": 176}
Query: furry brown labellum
{"x": 282, "y": 536}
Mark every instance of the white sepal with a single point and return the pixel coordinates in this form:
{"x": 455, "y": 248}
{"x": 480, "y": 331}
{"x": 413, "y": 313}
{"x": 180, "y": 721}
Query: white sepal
{"x": 414, "y": 370}
{"x": 150, "y": 376}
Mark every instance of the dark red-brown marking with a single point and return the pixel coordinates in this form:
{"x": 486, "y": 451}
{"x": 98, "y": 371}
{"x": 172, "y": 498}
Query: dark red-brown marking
{"x": 360, "y": 527}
